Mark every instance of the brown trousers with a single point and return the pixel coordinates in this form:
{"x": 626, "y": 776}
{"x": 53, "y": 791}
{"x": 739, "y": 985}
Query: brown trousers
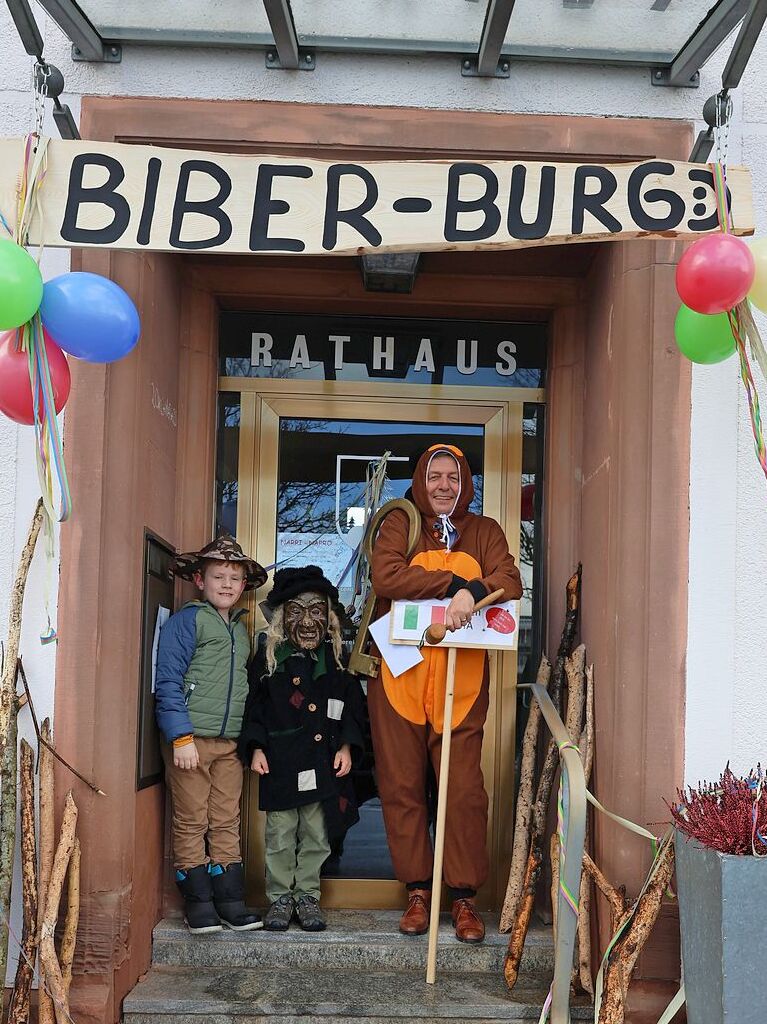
{"x": 206, "y": 804}
{"x": 402, "y": 754}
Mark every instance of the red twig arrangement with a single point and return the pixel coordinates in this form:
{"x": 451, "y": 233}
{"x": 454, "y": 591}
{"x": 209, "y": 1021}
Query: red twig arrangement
{"x": 729, "y": 815}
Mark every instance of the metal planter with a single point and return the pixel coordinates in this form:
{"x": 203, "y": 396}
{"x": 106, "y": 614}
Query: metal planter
{"x": 723, "y": 915}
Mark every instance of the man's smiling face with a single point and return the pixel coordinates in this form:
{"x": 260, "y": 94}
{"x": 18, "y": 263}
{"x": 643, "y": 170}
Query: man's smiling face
{"x": 443, "y": 484}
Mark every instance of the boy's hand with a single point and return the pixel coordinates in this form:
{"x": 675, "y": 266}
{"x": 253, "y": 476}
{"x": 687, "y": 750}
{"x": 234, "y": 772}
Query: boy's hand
{"x": 258, "y": 763}
{"x": 186, "y": 756}
{"x": 343, "y": 761}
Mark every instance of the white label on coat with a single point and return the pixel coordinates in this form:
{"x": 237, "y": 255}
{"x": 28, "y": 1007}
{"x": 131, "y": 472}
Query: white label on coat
{"x": 307, "y": 780}
{"x": 335, "y": 709}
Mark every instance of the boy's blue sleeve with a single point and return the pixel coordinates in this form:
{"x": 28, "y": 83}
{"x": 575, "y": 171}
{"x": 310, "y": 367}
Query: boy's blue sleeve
{"x": 178, "y": 639}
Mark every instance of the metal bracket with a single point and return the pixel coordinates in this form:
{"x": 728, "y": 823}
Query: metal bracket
{"x": 662, "y": 76}
{"x": 112, "y": 54}
{"x": 307, "y": 61}
{"x": 470, "y": 68}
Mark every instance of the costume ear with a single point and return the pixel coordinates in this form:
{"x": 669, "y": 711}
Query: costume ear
{"x": 266, "y": 611}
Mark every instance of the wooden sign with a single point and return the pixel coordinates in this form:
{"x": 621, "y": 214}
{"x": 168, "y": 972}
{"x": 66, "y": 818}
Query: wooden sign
{"x": 494, "y": 628}
{"x": 143, "y": 197}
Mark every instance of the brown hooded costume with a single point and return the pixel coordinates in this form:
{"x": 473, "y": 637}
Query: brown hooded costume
{"x": 406, "y": 712}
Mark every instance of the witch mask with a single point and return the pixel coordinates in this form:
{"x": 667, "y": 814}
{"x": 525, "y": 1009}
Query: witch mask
{"x": 306, "y": 620}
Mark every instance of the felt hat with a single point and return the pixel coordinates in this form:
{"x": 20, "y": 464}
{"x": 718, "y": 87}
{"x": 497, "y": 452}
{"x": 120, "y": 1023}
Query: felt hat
{"x": 223, "y": 549}
{"x": 290, "y": 582}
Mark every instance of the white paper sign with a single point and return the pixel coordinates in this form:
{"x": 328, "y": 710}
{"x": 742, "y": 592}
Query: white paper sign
{"x": 163, "y": 614}
{"x": 397, "y": 657}
{"x": 493, "y": 628}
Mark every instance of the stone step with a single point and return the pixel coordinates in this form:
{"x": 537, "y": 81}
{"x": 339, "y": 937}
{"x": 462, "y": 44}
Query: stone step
{"x": 355, "y": 939}
{"x": 189, "y": 995}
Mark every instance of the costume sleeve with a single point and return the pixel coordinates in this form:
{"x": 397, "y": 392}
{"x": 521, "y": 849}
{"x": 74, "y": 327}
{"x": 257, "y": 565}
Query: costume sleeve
{"x": 254, "y": 733}
{"x": 352, "y": 718}
{"x": 500, "y": 569}
{"x": 178, "y": 640}
{"x": 392, "y": 577}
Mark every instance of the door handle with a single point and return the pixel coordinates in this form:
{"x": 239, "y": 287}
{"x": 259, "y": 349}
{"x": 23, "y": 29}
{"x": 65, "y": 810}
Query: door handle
{"x": 360, "y": 663}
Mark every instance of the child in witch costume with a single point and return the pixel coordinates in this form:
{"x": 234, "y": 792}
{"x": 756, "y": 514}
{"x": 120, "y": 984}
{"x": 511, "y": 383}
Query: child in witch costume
{"x": 302, "y": 721}
{"x": 201, "y": 688}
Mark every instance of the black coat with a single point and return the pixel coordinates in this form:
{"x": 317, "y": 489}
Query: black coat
{"x": 300, "y": 717}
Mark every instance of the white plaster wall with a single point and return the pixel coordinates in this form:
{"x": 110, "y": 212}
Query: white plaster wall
{"x": 726, "y": 707}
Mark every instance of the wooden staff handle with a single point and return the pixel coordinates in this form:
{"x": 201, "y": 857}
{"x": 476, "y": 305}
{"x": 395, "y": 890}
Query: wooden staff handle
{"x": 437, "y": 632}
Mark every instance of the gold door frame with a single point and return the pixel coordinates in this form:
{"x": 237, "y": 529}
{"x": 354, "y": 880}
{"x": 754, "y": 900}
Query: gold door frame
{"x": 263, "y": 402}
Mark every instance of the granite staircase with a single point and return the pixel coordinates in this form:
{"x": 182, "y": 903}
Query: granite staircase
{"x": 360, "y": 971}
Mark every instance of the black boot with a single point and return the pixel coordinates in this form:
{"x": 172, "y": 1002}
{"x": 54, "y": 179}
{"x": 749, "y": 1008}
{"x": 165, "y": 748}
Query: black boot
{"x": 229, "y": 898}
{"x": 195, "y": 887}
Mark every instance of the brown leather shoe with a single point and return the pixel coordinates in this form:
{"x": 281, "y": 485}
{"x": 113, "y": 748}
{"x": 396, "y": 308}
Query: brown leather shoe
{"x": 469, "y": 926}
{"x": 415, "y": 920}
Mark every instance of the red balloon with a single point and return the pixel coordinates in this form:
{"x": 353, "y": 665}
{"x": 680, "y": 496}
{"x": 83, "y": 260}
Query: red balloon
{"x": 15, "y": 387}
{"x": 715, "y": 273}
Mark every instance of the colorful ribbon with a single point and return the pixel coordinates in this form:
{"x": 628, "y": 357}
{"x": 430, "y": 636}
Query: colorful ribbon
{"x": 741, "y": 331}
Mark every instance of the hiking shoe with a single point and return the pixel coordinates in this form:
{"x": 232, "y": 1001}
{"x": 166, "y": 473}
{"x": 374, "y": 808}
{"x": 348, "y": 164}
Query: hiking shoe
{"x": 280, "y": 914}
{"x": 199, "y": 913}
{"x": 310, "y": 917}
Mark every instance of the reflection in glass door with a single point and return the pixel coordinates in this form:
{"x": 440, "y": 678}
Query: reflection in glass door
{"x": 325, "y": 469}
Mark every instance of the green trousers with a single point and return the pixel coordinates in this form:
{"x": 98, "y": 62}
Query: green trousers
{"x": 296, "y": 848}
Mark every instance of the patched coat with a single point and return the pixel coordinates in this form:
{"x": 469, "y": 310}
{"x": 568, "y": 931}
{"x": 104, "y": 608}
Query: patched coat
{"x": 300, "y": 717}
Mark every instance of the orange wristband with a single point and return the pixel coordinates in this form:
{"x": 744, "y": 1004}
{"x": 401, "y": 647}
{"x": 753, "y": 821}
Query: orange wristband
{"x": 183, "y": 741}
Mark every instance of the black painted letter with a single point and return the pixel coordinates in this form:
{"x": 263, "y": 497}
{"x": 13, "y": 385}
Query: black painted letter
{"x": 704, "y": 175}
{"x": 100, "y": 195}
{"x": 144, "y": 232}
{"x": 594, "y": 202}
{"x": 539, "y": 228}
{"x": 485, "y": 204}
{"x": 355, "y": 217}
{"x": 644, "y": 220}
{"x": 265, "y": 207}
{"x": 204, "y": 207}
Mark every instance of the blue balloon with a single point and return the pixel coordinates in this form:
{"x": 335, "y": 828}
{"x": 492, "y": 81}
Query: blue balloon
{"x": 90, "y": 317}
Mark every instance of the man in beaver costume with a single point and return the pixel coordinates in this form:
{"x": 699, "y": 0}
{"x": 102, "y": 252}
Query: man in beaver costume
{"x": 464, "y": 557}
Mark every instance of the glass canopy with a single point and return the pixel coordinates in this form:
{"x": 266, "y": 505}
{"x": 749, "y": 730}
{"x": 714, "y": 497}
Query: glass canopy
{"x": 644, "y": 32}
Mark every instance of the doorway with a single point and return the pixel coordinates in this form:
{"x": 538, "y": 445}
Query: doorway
{"x": 295, "y": 457}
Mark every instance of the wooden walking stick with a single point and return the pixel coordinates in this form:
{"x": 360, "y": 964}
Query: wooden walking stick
{"x": 434, "y": 635}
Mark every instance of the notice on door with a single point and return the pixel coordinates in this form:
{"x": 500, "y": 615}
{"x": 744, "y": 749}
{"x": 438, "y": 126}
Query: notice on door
{"x": 146, "y": 197}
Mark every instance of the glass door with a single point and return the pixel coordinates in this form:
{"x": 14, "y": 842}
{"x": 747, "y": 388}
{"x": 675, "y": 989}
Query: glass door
{"x": 304, "y": 464}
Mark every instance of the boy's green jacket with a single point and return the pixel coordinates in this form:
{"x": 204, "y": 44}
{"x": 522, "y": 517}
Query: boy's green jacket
{"x": 201, "y": 680}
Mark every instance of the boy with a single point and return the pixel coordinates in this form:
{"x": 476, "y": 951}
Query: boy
{"x": 201, "y": 687}
{"x": 302, "y": 719}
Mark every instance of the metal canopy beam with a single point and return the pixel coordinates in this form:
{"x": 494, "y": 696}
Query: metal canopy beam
{"x": 707, "y": 37}
{"x": 743, "y": 47}
{"x": 488, "y": 62}
{"x": 27, "y": 28}
{"x": 87, "y": 44}
{"x": 289, "y": 55}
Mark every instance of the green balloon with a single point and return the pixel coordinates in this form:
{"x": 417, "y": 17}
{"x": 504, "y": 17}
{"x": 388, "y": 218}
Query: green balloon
{"x": 21, "y": 285}
{"x": 703, "y": 338}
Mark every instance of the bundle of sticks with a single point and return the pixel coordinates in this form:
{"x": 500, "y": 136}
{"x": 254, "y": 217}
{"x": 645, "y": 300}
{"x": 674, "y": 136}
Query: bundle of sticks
{"x": 42, "y": 893}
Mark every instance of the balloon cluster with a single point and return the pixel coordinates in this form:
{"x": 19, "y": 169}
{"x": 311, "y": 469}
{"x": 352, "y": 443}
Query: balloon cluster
{"x": 85, "y": 315}
{"x": 714, "y": 275}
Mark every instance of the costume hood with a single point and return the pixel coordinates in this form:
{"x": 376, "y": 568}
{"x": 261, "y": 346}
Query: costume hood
{"x": 466, "y": 492}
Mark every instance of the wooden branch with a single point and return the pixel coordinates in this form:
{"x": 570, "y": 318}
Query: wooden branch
{"x": 18, "y": 1010}
{"x": 523, "y": 822}
{"x": 572, "y": 607}
{"x": 626, "y": 951}
{"x": 8, "y": 678}
{"x": 554, "y": 855}
{"x": 46, "y": 1013}
{"x": 583, "y": 969}
{"x": 576, "y": 692}
{"x": 48, "y": 959}
{"x": 8, "y": 803}
{"x": 615, "y": 897}
{"x": 522, "y": 922}
{"x": 69, "y": 938}
{"x": 586, "y": 743}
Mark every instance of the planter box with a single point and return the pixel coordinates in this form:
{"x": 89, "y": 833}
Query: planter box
{"x": 723, "y": 917}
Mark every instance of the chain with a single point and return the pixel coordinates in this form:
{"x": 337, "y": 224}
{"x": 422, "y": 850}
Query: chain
{"x": 40, "y": 77}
